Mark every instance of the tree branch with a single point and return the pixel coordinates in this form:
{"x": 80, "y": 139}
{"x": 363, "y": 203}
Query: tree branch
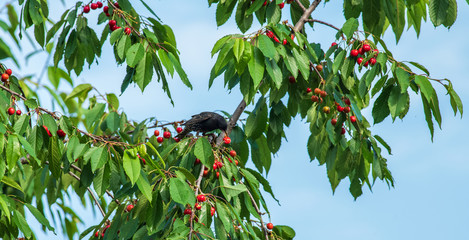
{"x": 301, "y": 5}
{"x": 264, "y": 229}
{"x": 324, "y": 23}
{"x": 232, "y": 123}
{"x": 306, "y": 14}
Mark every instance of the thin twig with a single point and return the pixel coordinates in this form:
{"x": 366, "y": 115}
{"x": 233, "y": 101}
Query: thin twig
{"x": 301, "y": 5}
{"x": 324, "y": 23}
{"x": 232, "y": 123}
{"x": 259, "y": 212}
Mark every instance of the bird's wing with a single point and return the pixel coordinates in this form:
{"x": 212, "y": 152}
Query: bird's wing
{"x": 203, "y": 116}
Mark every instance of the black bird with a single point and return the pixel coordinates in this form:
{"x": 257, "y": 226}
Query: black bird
{"x": 204, "y": 122}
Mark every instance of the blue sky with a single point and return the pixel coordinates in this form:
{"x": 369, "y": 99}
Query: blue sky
{"x": 430, "y": 200}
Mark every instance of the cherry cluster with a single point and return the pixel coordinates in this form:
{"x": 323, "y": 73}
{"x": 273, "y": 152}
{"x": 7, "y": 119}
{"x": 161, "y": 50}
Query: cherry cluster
{"x": 6, "y": 75}
{"x": 364, "y": 52}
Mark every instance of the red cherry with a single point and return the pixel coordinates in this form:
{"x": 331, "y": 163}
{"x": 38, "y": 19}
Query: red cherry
{"x": 96, "y": 234}
{"x": 359, "y": 60}
{"x": 333, "y": 44}
{"x": 160, "y": 139}
{"x": 354, "y": 53}
{"x": 292, "y": 36}
{"x": 129, "y": 207}
{"x": 86, "y": 9}
{"x": 323, "y": 94}
{"x": 9, "y": 72}
{"x": 94, "y": 6}
{"x": 353, "y": 119}
{"x": 197, "y": 161}
{"x": 212, "y": 211}
{"x": 215, "y": 166}
{"x": 197, "y": 206}
{"x": 61, "y": 133}
{"x": 346, "y": 109}
{"x": 360, "y": 51}
{"x": 166, "y": 134}
{"x": 269, "y": 34}
{"x": 227, "y": 140}
{"x": 308, "y": 90}
{"x": 205, "y": 173}
{"x": 219, "y": 164}
{"x": 340, "y": 108}
{"x": 18, "y": 112}
{"x": 127, "y": 31}
{"x": 265, "y": 3}
{"x": 276, "y": 39}
{"x": 11, "y": 111}
{"x": 106, "y": 9}
{"x": 156, "y": 133}
{"x": 187, "y": 211}
{"x": 47, "y": 130}
{"x": 366, "y": 48}
{"x": 176, "y": 139}
{"x": 100, "y": 4}
{"x": 107, "y": 14}
{"x": 376, "y": 52}
{"x": 112, "y": 23}
{"x": 317, "y": 91}
{"x": 201, "y": 198}
{"x": 102, "y": 234}
{"x": 5, "y": 77}
{"x": 284, "y": 42}
{"x": 117, "y": 5}
{"x": 372, "y": 61}
{"x": 281, "y": 5}
{"x": 347, "y": 101}
{"x": 342, "y": 131}
{"x": 270, "y": 226}
{"x": 218, "y": 175}
{"x": 319, "y": 67}
{"x": 333, "y": 121}
{"x": 179, "y": 129}
{"x": 314, "y": 98}
{"x": 291, "y": 79}
{"x": 233, "y": 153}
{"x": 366, "y": 63}
{"x": 236, "y": 162}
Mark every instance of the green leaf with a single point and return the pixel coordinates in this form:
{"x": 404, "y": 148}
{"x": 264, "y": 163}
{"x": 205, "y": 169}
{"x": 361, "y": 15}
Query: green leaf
{"x": 135, "y": 54}
{"x": 144, "y": 186}
{"x": 94, "y": 114}
{"x": 384, "y": 143}
{"x": 428, "y": 115}
{"x": 179, "y": 70}
{"x": 238, "y": 48}
{"x": 203, "y": 151}
{"x": 131, "y": 165}
{"x": 144, "y": 71}
{"x": 443, "y": 12}
{"x": 99, "y": 158}
{"x": 3, "y": 204}
{"x": 12, "y": 151}
{"x": 256, "y": 67}
{"x": 397, "y": 102}
{"x": 338, "y": 61}
{"x": 419, "y": 66}
{"x": 54, "y": 157}
{"x": 116, "y": 35}
{"x": 81, "y": 89}
{"x": 29, "y": 149}
{"x": 10, "y": 182}
{"x": 426, "y": 87}
{"x": 224, "y": 11}
{"x": 380, "y": 107}
{"x": 21, "y": 124}
{"x": 266, "y": 46}
{"x": 302, "y": 61}
{"x": 257, "y": 120}
{"x": 403, "y": 79}
{"x": 38, "y": 215}
{"x": 285, "y": 232}
{"x": 181, "y": 192}
{"x": 274, "y": 72}
{"x": 349, "y": 27}
{"x": 21, "y": 223}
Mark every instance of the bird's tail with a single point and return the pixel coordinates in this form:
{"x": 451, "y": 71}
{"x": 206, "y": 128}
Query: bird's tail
{"x": 184, "y": 132}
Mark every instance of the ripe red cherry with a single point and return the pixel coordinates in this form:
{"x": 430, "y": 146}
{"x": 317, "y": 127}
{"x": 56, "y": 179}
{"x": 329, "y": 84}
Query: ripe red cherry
{"x": 308, "y": 90}
{"x": 197, "y": 206}
{"x": 100, "y": 4}
{"x": 212, "y": 211}
{"x": 284, "y": 42}
{"x": 112, "y": 23}
{"x": 314, "y": 98}
{"x": 18, "y": 112}
{"x": 360, "y": 51}
{"x": 219, "y": 164}
{"x": 9, "y": 72}
{"x": 205, "y": 173}
{"x": 333, "y": 121}
{"x": 156, "y": 133}
{"x": 179, "y": 129}
{"x": 236, "y": 162}
{"x": 218, "y": 175}
{"x": 269, "y": 34}
{"x": 346, "y": 109}
{"x": 333, "y": 44}
{"x": 366, "y": 63}
{"x": 291, "y": 79}
{"x": 106, "y": 9}
{"x": 359, "y": 60}
{"x": 342, "y": 131}
{"x": 366, "y": 48}
{"x": 187, "y": 211}
{"x": 201, "y": 198}
{"x": 265, "y": 3}
{"x": 281, "y": 5}
{"x": 340, "y": 108}
{"x": 347, "y": 101}
{"x": 319, "y": 67}
{"x": 94, "y": 6}
{"x": 47, "y": 130}
{"x": 197, "y": 161}
{"x": 372, "y": 61}
{"x": 353, "y": 119}
{"x": 317, "y": 91}
{"x": 5, "y": 77}
{"x": 117, "y": 5}
{"x": 127, "y": 31}
{"x": 233, "y": 153}
{"x": 215, "y": 166}
{"x": 323, "y": 94}
{"x": 227, "y": 140}
{"x": 11, "y": 111}
{"x": 86, "y": 9}
{"x": 292, "y": 36}
{"x": 96, "y": 234}
{"x": 354, "y": 53}
{"x": 270, "y": 226}
{"x": 160, "y": 139}
{"x": 376, "y": 52}
{"x": 276, "y": 39}
{"x": 129, "y": 207}
{"x": 166, "y": 134}
{"x": 61, "y": 133}
{"x": 176, "y": 139}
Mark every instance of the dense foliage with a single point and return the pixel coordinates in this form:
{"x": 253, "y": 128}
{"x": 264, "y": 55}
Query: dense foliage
{"x": 163, "y": 187}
